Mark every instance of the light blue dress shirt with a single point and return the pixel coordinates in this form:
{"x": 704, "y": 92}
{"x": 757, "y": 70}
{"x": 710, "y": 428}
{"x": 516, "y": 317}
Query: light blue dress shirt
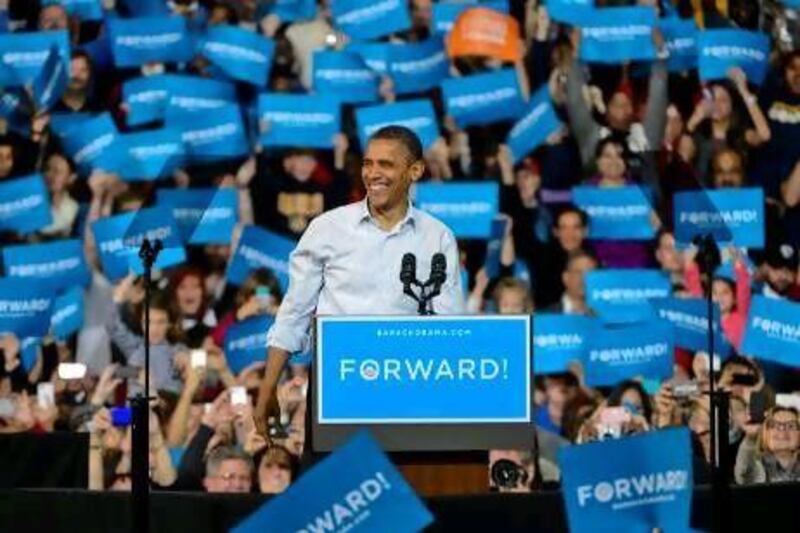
{"x": 345, "y": 264}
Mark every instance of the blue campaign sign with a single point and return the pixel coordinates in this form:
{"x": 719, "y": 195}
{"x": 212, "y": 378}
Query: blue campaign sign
{"x": 67, "y": 316}
{"x": 573, "y": 12}
{"x": 417, "y": 67}
{"x": 138, "y": 41}
{"x": 618, "y": 34}
{"x": 24, "y": 55}
{"x": 494, "y": 246}
{"x": 83, "y": 9}
{"x": 95, "y": 145}
{"x": 211, "y": 136}
{"x": 292, "y": 10}
{"x": 345, "y": 76}
{"x": 374, "y": 54}
{"x": 616, "y": 213}
{"x": 246, "y": 342}
{"x": 240, "y": 54}
{"x": 680, "y": 38}
{"x": 3, "y": 21}
{"x": 444, "y": 14}
{"x": 52, "y": 80}
{"x": 204, "y": 216}
{"x": 689, "y": 317}
{"x": 146, "y": 98}
{"x": 29, "y": 352}
{"x": 621, "y": 295}
{"x": 558, "y": 340}
{"x": 420, "y": 370}
{"x": 259, "y": 248}
{"x": 56, "y": 265}
{"x": 638, "y": 483}
{"x": 483, "y": 98}
{"x": 150, "y": 155}
{"x": 24, "y": 205}
{"x": 733, "y": 216}
{"x": 191, "y": 93}
{"x": 146, "y": 8}
{"x": 357, "y": 488}
{"x": 417, "y": 115}
{"x": 618, "y": 353}
{"x": 719, "y": 50}
{"x": 773, "y": 331}
{"x": 466, "y": 208}
{"x": 368, "y": 19}
{"x": 535, "y": 125}
{"x": 62, "y": 123}
{"x": 24, "y": 308}
{"x": 298, "y": 120}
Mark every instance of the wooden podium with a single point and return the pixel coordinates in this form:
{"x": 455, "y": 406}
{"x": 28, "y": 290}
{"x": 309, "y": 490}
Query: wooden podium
{"x": 444, "y": 473}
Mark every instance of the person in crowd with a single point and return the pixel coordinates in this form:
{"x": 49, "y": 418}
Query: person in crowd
{"x": 770, "y": 452}
{"x": 260, "y": 294}
{"x": 228, "y": 470}
{"x": 276, "y": 468}
{"x": 60, "y": 175}
{"x": 779, "y": 273}
{"x": 187, "y": 289}
{"x": 573, "y": 299}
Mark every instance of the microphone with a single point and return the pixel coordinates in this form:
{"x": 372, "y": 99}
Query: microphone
{"x": 438, "y": 270}
{"x": 408, "y": 269}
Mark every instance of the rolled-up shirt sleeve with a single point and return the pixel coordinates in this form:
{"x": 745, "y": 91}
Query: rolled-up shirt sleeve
{"x": 290, "y": 331}
{"x": 451, "y": 299}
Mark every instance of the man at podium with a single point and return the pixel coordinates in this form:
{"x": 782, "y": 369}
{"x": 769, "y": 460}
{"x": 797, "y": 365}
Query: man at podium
{"x": 350, "y": 260}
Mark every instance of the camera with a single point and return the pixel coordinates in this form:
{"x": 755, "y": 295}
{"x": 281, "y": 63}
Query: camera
{"x": 507, "y": 474}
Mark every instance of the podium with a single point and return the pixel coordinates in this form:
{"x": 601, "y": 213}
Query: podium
{"x": 437, "y": 392}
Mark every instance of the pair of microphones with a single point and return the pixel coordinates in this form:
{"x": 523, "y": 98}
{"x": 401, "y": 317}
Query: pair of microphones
{"x": 428, "y": 289}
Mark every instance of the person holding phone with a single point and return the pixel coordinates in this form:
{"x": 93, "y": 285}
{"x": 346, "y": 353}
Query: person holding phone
{"x": 770, "y": 452}
{"x": 260, "y": 294}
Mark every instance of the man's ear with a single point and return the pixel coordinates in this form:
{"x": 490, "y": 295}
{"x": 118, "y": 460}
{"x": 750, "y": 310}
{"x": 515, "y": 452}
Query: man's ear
{"x": 416, "y": 170}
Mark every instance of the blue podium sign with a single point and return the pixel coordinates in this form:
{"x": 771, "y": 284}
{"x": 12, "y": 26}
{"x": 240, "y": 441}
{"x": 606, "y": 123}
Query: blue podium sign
{"x": 423, "y": 370}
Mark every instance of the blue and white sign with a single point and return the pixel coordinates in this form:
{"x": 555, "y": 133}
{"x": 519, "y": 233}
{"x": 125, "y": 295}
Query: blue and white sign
{"x": 55, "y": 265}
{"x": 138, "y": 41}
{"x": 572, "y": 12}
{"x": 24, "y": 205}
{"x": 637, "y": 483}
{"x": 483, "y": 98}
{"x": 52, "y": 80}
{"x": 67, "y": 316}
{"x": 494, "y": 246}
{"x": 345, "y": 76}
{"x": 24, "y": 55}
{"x": 444, "y": 14}
{"x": 24, "y": 308}
{"x": 152, "y": 154}
{"x": 618, "y": 353}
{"x": 719, "y": 50}
{"x": 417, "y": 67}
{"x": 259, "y": 248}
{"x": 190, "y": 93}
{"x": 145, "y": 98}
{"x": 240, "y": 54}
{"x": 466, "y": 208}
{"x": 680, "y": 38}
{"x": 416, "y": 115}
{"x": 355, "y": 488}
{"x": 773, "y": 331}
{"x": 689, "y": 317}
{"x": 62, "y": 123}
{"x": 617, "y": 213}
{"x": 558, "y": 340}
{"x": 537, "y": 123}
{"x": 370, "y": 19}
{"x": 95, "y": 145}
{"x": 423, "y": 370}
{"x": 204, "y": 216}
{"x": 621, "y": 295}
{"x": 733, "y": 216}
{"x": 618, "y": 34}
{"x": 246, "y": 342}
{"x": 83, "y": 9}
{"x": 298, "y": 120}
{"x": 211, "y": 136}
{"x": 146, "y": 8}
{"x": 292, "y": 10}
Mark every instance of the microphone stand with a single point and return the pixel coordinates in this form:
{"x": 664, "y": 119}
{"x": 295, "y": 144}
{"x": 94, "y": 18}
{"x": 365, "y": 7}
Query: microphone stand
{"x": 140, "y": 404}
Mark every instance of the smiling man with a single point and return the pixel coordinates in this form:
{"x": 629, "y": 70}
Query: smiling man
{"x": 348, "y": 260}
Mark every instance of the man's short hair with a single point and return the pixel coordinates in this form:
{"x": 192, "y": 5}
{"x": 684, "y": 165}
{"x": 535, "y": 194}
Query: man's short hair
{"x": 581, "y": 214}
{"x": 225, "y": 453}
{"x": 404, "y": 136}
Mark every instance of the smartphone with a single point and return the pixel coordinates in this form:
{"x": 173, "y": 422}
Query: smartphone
{"x": 614, "y": 416}
{"x": 121, "y": 416}
{"x": 758, "y": 406}
{"x": 199, "y": 358}
{"x": 238, "y": 395}
{"x": 747, "y": 380}
{"x": 45, "y": 395}
{"x": 71, "y": 371}
{"x": 685, "y": 389}
{"x": 127, "y": 372}
{"x": 6, "y": 408}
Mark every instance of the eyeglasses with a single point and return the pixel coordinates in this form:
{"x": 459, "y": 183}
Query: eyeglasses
{"x": 784, "y": 426}
{"x": 231, "y": 476}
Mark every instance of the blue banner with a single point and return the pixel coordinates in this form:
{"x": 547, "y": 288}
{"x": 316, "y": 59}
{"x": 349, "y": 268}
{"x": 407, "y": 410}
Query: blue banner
{"x": 138, "y": 41}
{"x": 51, "y": 82}
{"x": 24, "y": 55}
{"x": 616, "y": 213}
{"x": 638, "y": 483}
{"x": 146, "y": 8}
{"x": 119, "y": 237}
{"x": 618, "y": 353}
{"x": 618, "y": 34}
{"x": 444, "y": 14}
{"x": 12, "y": 108}
{"x": 150, "y": 155}
{"x": 773, "y": 331}
{"x": 24, "y": 308}
{"x": 719, "y": 50}
{"x": 95, "y": 145}
{"x": 292, "y": 10}
{"x": 374, "y": 54}
{"x": 494, "y": 247}
{"x": 355, "y": 488}
{"x": 345, "y": 76}
{"x": 29, "y": 352}
{"x": 62, "y": 123}
{"x": 211, "y": 136}
{"x": 466, "y": 208}
{"x": 415, "y": 370}
{"x": 204, "y": 216}
{"x": 3, "y": 21}
{"x": 246, "y": 342}
{"x": 537, "y": 123}
{"x": 83, "y": 9}
{"x": 558, "y": 340}
{"x": 24, "y": 205}
{"x": 572, "y": 12}
{"x": 680, "y": 38}
{"x": 368, "y": 19}
{"x": 240, "y": 54}
{"x": 298, "y": 120}
{"x": 417, "y": 115}
{"x": 483, "y": 98}
{"x": 621, "y": 295}
{"x": 145, "y": 98}
{"x": 733, "y": 216}
{"x": 417, "y": 67}
{"x": 67, "y": 316}
{"x": 689, "y": 317}
{"x": 259, "y": 248}
{"x": 55, "y": 265}
{"x": 148, "y": 98}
